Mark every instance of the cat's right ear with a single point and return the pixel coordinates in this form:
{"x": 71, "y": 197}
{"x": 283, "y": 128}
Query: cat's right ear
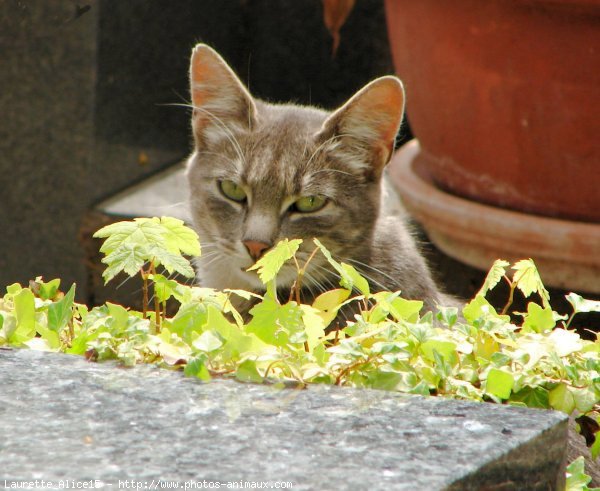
{"x": 221, "y": 102}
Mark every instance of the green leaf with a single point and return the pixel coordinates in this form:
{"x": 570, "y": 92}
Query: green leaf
{"x": 384, "y": 380}
{"x": 446, "y": 349}
{"x": 562, "y": 399}
{"x": 236, "y": 341}
{"x": 164, "y": 288}
{"x": 208, "y": 341}
{"x": 595, "y": 448}
{"x": 247, "y": 372}
{"x": 408, "y": 310}
{"x": 350, "y": 277}
{"x": 61, "y": 312}
{"x": 499, "y": 383}
{"x": 329, "y": 303}
{"x": 51, "y": 340}
{"x": 173, "y": 263}
{"x": 577, "y": 479}
{"x": 13, "y": 289}
{"x": 128, "y": 258}
{"x": 565, "y": 342}
{"x": 528, "y": 280}
{"x": 269, "y": 265}
{"x": 196, "y": 368}
{"x": 581, "y": 304}
{"x": 273, "y": 323}
{"x": 495, "y": 274}
{"x": 179, "y": 238}
{"x": 130, "y": 244}
{"x": 48, "y": 290}
{"x": 538, "y": 319}
{"x": 480, "y": 308}
{"x": 314, "y": 326}
{"x": 447, "y": 315}
{"x": 25, "y": 317}
{"x": 585, "y": 398}
{"x": 532, "y": 397}
{"x": 356, "y": 280}
{"x": 140, "y": 231}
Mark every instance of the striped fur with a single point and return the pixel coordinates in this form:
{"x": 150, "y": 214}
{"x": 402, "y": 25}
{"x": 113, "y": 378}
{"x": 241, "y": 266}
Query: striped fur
{"x": 280, "y": 153}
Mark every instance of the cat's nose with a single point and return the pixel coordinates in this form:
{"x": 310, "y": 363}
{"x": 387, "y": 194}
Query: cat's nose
{"x": 255, "y": 249}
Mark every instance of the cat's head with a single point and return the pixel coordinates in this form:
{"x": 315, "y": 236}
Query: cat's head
{"x": 263, "y": 172}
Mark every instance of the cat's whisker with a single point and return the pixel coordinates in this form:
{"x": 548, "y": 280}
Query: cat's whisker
{"x": 360, "y": 267}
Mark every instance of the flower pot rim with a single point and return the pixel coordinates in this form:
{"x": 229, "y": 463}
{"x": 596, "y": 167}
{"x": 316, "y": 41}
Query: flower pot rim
{"x": 477, "y": 234}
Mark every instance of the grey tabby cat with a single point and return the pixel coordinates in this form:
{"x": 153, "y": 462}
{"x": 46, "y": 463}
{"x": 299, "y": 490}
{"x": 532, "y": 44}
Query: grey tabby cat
{"x": 263, "y": 172}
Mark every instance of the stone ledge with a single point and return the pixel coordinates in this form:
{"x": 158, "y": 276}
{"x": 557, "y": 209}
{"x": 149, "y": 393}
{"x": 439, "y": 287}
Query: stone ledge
{"x": 65, "y": 418}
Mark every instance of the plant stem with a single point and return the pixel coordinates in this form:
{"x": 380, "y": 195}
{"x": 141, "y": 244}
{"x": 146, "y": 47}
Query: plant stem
{"x": 144, "y": 292}
{"x": 570, "y": 319}
{"x": 510, "y": 295}
{"x": 157, "y": 310}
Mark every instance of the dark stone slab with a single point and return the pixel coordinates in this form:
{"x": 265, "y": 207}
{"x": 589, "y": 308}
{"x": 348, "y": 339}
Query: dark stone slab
{"x": 64, "y": 418}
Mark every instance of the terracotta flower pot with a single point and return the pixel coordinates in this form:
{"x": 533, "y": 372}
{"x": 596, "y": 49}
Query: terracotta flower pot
{"x": 504, "y": 97}
{"x": 567, "y": 253}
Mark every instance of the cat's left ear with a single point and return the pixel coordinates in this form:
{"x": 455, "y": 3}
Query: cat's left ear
{"x": 367, "y": 125}
{"x": 221, "y": 102}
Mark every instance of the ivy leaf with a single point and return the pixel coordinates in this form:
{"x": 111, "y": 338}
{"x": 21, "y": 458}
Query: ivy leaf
{"x": 273, "y": 323}
{"x": 562, "y": 399}
{"x": 269, "y": 265}
{"x": 208, "y": 341}
{"x": 538, "y": 319}
{"x": 532, "y": 397}
{"x": 480, "y": 308}
{"x": 408, "y": 310}
{"x": 178, "y": 238}
{"x": 25, "y": 317}
{"x": 196, "y": 367}
{"x": 164, "y": 288}
{"x": 314, "y": 326}
{"x": 47, "y": 290}
{"x": 356, "y": 280}
{"x": 61, "y": 312}
{"x": 499, "y": 383}
{"x": 247, "y": 372}
{"x": 528, "y": 280}
{"x": 565, "y": 342}
{"x": 446, "y": 349}
{"x": 350, "y": 278}
{"x": 581, "y": 304}
{"x": 585, "y": 398}
{"x": 496, "y": 273}
{"x": 236, "y": 341}
{"x": 329, "y": 303}
{"x": 577, "y": 479}
{"x": 385, "y": 380}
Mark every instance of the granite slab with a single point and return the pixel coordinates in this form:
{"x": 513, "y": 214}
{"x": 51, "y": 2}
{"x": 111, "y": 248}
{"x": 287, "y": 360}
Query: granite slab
{"x": 66, "y": 420}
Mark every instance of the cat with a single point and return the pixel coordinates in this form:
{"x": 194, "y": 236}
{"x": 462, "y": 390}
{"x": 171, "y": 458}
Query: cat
{"x": 261, "y": 172}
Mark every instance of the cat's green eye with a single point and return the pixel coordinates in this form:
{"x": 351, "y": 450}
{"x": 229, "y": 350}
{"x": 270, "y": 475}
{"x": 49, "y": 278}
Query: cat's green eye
{"x": 232, "y": 191}
{"x": 308, "y": 204}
